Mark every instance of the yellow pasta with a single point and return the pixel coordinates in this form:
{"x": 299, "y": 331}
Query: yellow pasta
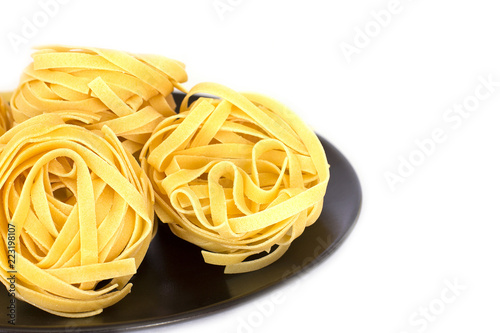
{"x": 76, "y": 215}
{"x": 5, "y": 116}
{"x": 237, "y": 175}
{"x": 129, "y": 93}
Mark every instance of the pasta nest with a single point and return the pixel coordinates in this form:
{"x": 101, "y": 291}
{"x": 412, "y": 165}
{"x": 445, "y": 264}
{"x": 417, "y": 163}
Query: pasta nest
{"x": 237, "y": 175}
{"x": 76, "y": 216}
{"x": 129, "y": 93}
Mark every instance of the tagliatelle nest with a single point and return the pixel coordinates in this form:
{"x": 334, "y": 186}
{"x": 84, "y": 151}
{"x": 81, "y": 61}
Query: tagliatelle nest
{"x": 236, "y": 175}
{"x": 129, "y": 93}
{"x": 76, "y": 209}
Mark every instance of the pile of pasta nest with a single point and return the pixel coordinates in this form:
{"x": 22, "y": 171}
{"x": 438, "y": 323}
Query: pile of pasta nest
{"x": 92, "y": 149}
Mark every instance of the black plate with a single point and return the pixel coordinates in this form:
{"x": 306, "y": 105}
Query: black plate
{"x": 173, "y": 283}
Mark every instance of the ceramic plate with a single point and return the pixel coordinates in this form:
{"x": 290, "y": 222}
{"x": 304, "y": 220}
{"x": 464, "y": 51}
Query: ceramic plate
{"x": 173, "y": 283}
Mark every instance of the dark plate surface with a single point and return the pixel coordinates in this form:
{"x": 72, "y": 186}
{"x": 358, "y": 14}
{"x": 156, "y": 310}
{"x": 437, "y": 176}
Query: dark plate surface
{"x": 173, "y": 283}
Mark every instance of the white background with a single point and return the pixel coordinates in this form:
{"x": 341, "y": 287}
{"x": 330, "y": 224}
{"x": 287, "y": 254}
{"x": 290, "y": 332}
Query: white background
{"x": 439, "y": 222}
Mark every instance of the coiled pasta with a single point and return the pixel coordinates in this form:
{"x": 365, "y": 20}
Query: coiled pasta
{"x": 76, "y": 215}
{"x": 237, "y": 175}
{"x": 129, "y": 93}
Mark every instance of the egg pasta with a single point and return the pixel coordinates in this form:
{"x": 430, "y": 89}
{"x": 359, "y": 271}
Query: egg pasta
{"x": 76, "y": 215}
{"x": 238, "y": 175}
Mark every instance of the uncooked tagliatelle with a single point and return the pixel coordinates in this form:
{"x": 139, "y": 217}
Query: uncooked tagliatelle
{"x": 237, "y": 175}
{"x": 129, "y": 93}
{"x": 4, "y": 116}
{"x": 76, "y": 216}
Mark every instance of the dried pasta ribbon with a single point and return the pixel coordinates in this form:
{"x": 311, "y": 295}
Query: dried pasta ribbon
{"x": 5, "y": 115}
{"x": 129, "y": 93}
{"x": 76, "y": 215}
{"x": 237, "y": 175}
